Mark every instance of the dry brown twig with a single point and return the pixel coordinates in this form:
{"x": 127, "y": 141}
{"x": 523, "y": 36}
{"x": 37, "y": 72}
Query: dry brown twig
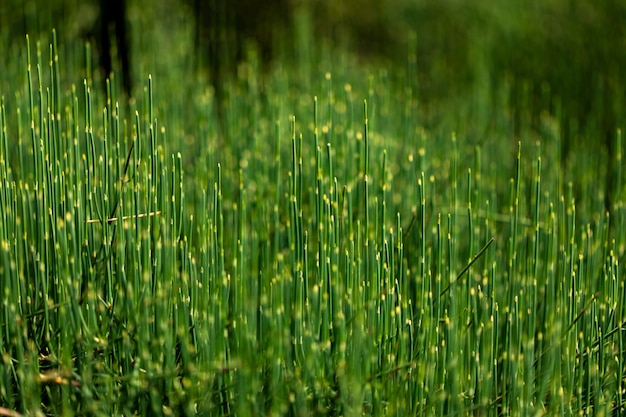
{"x": 136, "y": 216}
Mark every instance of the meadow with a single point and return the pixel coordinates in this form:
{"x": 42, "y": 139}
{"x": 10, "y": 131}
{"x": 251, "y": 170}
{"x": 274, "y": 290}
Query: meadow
{"x": 321, "y": 240}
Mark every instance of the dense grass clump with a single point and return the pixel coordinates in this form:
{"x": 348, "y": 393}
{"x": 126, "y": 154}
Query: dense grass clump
{"x": 326, "y": 247}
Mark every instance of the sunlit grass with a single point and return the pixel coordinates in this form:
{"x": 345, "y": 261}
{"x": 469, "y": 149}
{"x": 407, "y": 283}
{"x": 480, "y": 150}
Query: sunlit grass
{"x": 321, "y": 250}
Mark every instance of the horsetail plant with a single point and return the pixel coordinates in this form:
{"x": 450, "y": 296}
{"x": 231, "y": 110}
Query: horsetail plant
{"x": 340, "y": 262}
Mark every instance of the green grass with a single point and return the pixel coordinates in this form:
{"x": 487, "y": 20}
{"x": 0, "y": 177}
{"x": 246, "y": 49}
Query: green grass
{"x": 363, "y": 257}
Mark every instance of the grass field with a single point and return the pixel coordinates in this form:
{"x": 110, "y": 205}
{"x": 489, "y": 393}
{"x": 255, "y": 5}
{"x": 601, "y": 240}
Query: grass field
{"x": 329, "y": 245}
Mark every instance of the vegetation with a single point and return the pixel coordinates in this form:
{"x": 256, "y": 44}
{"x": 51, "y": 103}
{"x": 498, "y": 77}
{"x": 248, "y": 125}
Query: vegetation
{"x": 332, "y": 234}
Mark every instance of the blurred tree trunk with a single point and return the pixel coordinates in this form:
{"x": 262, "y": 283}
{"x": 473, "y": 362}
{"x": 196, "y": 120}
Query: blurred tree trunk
{"x": 114, "y": 36}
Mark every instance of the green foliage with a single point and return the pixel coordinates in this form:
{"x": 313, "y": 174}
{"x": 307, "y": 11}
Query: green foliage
{"x": 382, "y": 252}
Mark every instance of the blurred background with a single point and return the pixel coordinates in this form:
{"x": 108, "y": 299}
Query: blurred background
{"x": 555, "y": 60}
{"x": 573, "y": 48}
{"x": 567, "y": 56}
